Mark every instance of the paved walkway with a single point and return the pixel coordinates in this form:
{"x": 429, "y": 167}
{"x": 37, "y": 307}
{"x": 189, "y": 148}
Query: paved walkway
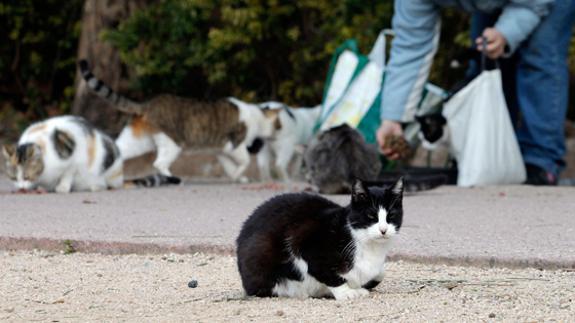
{"x": 498, "y": 226}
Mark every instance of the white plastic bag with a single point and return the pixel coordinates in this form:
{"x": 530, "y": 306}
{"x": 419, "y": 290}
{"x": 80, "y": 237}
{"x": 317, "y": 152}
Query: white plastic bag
{"x": 482, "y": 137}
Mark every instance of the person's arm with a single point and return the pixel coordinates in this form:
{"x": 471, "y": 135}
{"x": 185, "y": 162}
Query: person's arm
{"x": 518, "y": 20}
{"x": 416, "y": 24}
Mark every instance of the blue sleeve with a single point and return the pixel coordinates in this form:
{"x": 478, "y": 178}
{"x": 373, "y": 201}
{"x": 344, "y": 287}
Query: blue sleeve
{"x": 416, "y": 24}
{"x": 519, "y": 18}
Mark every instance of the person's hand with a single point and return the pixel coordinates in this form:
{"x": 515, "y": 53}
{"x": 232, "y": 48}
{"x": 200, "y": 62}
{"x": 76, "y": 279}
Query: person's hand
{"x": 388, "y": 127}
{"x": 496, "y": 43}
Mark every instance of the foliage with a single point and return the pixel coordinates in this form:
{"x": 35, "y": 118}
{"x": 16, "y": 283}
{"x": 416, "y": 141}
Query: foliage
{"x": 254, "y": 49}
{"x": 37, "y": 58}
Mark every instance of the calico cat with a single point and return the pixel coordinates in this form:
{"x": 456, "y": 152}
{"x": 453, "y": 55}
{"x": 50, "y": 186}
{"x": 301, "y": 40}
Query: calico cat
{"x": 295, "y": 130}
{"x": 335, "y": 157}
{"x": 67, "y": 153}
{"x": 168, "y": 123}
{"x": 303, "y": 245}
{"x": 64, "y": 153}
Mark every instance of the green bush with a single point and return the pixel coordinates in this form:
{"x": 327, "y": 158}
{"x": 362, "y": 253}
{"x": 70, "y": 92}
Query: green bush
{"x": 253, "y": 49}
{"x": 37, "y": 58}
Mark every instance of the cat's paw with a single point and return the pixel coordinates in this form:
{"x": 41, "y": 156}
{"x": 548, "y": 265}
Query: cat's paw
{"x": 344, "y": 292}
{"x": 63, "y": 189}
{"x": 243, "y": 180}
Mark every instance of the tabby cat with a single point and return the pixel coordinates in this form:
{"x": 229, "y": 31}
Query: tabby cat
{"x": 303, "y": 245}
{"x": 335, "y": 157}
{"x": 169, "y": 123}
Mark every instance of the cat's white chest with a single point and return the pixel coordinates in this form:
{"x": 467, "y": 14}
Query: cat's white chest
{"x": 368, "y": 264}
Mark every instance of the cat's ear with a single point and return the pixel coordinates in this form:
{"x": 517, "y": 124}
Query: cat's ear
{"x": 359, "y": 192}
{"x": 397, "y": 188}
{"x": 63, "y": 143}
{"x": 273, "y": 116}
{"x": 8, "y": 151}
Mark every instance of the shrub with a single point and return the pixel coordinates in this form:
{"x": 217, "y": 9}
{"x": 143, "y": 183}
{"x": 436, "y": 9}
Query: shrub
{"x": 253, "y": 49}
{"x": 37, "y": 57}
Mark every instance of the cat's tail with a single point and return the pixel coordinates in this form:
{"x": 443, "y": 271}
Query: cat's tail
{"x": 120, "y": 102}
{"x": 153, "y": 181}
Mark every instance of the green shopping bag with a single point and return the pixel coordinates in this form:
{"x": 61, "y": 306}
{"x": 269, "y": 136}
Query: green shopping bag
{"x": 352, "y": 93}
{"x": 353, "y": 89}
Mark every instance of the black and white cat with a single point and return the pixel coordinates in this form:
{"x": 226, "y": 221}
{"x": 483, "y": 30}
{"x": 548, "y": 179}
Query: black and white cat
{"x": 433, "y": 130}
{"x": 303, "y": 245}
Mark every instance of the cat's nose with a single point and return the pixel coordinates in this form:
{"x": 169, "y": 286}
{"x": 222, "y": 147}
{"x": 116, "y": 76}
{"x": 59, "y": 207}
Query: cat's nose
{"x": 383, "y": 231}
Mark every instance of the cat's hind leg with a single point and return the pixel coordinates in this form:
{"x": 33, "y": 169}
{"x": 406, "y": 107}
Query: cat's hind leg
{"x": 115, "y": 176}
{"x": 264, "y": 159}
{"x": 284, "y": 152}
{"x": 167, "y": 152}
{"x": 133, "y": 144}
{"x": 237, "y": 163}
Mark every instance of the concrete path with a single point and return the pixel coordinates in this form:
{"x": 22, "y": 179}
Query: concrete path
{"x": 515, "y": 226}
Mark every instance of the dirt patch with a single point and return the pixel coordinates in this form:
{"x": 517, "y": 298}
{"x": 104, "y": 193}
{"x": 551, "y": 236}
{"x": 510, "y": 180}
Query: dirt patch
{"x": 81, "y": 287}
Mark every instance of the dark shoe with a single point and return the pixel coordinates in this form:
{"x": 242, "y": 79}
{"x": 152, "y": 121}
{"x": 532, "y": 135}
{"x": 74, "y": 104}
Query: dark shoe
{"x": 539, "y": 176}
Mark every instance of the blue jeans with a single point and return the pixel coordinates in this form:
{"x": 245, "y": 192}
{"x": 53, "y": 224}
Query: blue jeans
{"x": 536, "y": 84}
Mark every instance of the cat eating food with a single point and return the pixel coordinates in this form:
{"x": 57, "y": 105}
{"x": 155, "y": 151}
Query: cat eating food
{"x": 303, "y": 245}
{"x": 67, "y": 153}
{"x": 168, "y": 123}
{"x": 62, "y": 154}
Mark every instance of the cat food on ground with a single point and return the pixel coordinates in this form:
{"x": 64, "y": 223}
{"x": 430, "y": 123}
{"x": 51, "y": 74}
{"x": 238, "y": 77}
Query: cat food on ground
{"x": 33, "y": 191}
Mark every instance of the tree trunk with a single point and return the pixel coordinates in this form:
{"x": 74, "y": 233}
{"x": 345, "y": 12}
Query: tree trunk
{"x": 104, "y": 61}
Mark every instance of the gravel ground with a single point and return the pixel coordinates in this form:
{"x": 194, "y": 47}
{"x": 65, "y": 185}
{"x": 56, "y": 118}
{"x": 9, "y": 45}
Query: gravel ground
{"x": 42, "y": 286}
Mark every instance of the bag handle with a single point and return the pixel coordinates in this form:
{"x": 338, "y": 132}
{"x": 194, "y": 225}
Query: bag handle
{"x": 378, "y": 53}
{"x": 484, "y": 55}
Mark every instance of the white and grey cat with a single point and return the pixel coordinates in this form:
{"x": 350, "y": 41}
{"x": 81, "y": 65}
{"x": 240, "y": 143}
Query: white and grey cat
{"x": 167, "y": 124}
{"x": 295, "y": 130}
{"x": 303, "y": 245}
{"x": 62, "y": 154}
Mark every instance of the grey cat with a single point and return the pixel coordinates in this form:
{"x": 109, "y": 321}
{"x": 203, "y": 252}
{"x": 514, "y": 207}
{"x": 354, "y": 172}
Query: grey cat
{"x": 335, "y": 157}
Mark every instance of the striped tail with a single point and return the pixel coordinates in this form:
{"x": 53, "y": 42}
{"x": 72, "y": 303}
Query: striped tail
{"x": 153, "y": 181}
{"x": 120, "y": 102}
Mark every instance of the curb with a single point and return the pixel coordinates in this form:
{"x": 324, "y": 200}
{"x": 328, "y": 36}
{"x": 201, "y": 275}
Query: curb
{"x": 121, "y": 248}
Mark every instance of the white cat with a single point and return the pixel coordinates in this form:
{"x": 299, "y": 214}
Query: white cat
{"x": 296, "y": 130}
{"x": 62, "y": 154}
